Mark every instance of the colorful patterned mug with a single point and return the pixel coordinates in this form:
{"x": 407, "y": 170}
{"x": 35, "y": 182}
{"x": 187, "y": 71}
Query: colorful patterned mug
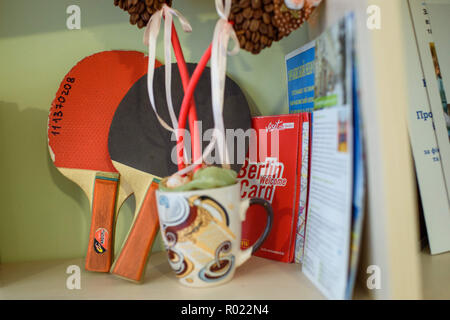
{"x": 202, "y": 230}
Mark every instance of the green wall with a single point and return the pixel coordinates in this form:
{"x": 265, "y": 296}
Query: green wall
{"x": 42, "y": 214}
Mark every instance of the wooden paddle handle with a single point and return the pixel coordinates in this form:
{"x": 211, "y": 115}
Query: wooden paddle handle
{"x": 132, "y": 260}
{"x": 100, "y": 249}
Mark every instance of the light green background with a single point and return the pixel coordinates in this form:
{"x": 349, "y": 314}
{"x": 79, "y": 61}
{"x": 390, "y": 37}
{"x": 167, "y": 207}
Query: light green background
{"x": 43, "y": 215}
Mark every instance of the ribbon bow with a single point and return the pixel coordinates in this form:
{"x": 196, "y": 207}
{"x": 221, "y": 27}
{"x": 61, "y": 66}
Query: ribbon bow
{"x": 222, "y": 34}
{"x": 150, "y": 37}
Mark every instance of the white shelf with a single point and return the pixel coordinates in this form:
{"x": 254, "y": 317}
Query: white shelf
{"x": 435, "y": 275}
{"x": 256, "y": 279}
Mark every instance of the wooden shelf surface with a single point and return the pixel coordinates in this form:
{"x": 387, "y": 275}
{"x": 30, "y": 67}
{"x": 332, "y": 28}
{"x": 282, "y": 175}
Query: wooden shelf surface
{"x": 256, "y": 279}
{"x": 435, "y": 275}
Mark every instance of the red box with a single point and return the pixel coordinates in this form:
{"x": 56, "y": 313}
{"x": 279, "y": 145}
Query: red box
{"x": 273, "y": 173}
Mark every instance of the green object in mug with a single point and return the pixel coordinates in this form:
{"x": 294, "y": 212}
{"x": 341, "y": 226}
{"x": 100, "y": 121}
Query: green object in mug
{"x": 205, "y": 178}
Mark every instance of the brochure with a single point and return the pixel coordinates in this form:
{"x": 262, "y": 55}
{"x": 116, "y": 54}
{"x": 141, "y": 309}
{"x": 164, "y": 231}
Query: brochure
{"x": 359, "y": 183}
{"x": 328, "y": 248}
{"x": 300, "y": 78}
{"x": 429, "y": 81}
{"x": 304, "y": 186}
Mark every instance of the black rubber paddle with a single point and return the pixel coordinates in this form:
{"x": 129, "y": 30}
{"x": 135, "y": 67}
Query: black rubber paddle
{"x": 141, "y": 151}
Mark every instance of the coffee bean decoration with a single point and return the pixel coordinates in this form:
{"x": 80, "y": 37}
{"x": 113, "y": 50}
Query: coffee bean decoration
{"x": 254, "y": 25}
{"x": 251, "y": 20}
{"x": 288, "y": 20}
{"x": 256, "y": 4}
{"x": 141, "y": 10}
{"x": 260, "y": 22}
{"x": 257, "y": 22}
{"x": 247, "y": 13}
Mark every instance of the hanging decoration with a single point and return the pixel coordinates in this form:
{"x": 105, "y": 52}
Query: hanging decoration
{"x": 258, "y": 23}
{"x": 141, "y": 10}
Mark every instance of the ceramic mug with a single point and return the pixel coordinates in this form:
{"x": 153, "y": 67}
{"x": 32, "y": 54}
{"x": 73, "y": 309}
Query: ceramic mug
{"x": 202, "y": 230}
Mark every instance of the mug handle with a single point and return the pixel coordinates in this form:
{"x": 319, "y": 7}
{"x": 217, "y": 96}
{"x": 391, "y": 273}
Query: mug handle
{"x": 244, "y": 255}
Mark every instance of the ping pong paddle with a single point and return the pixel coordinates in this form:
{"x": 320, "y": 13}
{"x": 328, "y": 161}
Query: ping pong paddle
{"x": 78, "y": 125}
{"x": 141, "y": 151}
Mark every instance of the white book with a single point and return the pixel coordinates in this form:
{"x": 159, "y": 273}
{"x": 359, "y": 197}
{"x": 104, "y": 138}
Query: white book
{"x": 429, "y": 114}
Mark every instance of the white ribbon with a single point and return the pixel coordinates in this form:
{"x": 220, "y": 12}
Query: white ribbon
{"x": 222, "y": 33}
{"x": 299, "y": 4}
{"x": 150, "y": 38}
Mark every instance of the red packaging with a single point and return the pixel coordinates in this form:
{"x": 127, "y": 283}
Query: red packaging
{"x": 272, "y": 171}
